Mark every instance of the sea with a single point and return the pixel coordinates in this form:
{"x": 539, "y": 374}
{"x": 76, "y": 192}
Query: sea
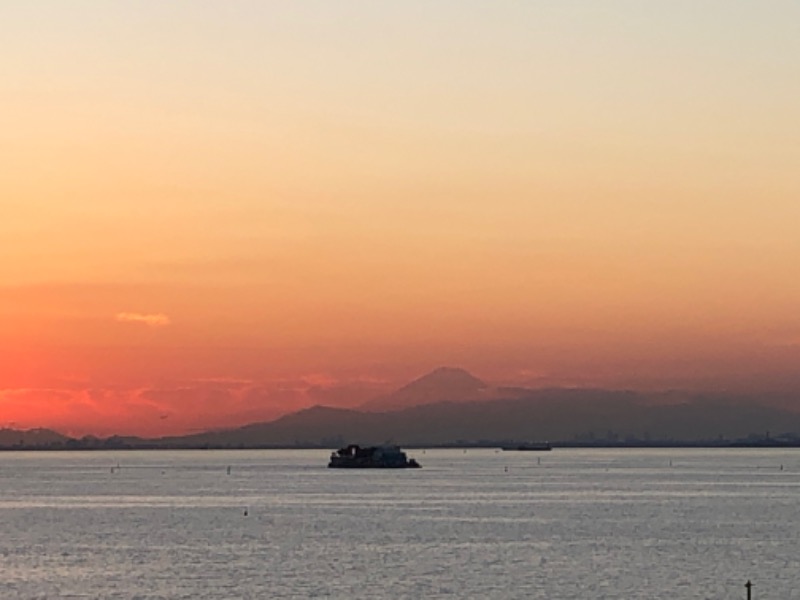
{"x": 477, "y": 523}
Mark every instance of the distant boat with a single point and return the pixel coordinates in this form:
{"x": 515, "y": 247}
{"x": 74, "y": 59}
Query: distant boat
{"x": 371, "y": 457}
{"x": 530, "y": 446}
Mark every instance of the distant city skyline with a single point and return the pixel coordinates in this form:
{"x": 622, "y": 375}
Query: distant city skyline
{"x": 216, "y": 213}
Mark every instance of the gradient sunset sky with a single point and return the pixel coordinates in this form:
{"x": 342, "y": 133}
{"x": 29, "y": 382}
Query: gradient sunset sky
{"x": 217, "y": 212}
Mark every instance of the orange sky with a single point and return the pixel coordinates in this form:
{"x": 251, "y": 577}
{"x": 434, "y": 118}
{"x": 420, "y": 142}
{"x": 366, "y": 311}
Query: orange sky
{"x": 213, "y": 213}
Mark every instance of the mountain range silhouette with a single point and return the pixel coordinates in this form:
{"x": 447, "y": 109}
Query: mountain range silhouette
{"x": 450, "y": 406}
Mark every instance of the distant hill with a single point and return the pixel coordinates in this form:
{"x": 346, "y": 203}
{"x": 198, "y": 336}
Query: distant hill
{"x": 445, "y": 384}
{"x": 449, "y": 406}
{"x": 11, "y": 438}
{"x": 315, "y": 426}
{"x": 558, "y": 415}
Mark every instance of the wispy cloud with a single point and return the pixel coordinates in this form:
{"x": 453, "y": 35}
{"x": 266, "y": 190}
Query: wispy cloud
{"x": 151, "y": 320}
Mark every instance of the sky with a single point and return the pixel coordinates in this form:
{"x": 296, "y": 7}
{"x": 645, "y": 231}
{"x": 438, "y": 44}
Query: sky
{"x": 214, "y": 213}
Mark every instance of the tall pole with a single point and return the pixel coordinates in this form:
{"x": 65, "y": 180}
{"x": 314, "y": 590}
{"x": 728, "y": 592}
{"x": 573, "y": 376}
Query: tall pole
{"x": 749, "y": 587}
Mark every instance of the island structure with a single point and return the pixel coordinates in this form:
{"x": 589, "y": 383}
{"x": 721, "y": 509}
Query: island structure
{"x": 371, "y": 457}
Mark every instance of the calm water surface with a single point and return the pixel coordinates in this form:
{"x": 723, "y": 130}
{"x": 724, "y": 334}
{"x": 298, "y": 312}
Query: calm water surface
{"x": 566, "y": 524}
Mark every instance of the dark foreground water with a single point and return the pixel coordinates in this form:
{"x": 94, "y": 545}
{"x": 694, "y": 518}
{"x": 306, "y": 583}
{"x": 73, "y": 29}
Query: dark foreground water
{"x": 588, "y": 524}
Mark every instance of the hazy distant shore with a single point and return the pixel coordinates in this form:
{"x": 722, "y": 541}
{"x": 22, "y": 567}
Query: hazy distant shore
{"x": 77, "y": 446}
